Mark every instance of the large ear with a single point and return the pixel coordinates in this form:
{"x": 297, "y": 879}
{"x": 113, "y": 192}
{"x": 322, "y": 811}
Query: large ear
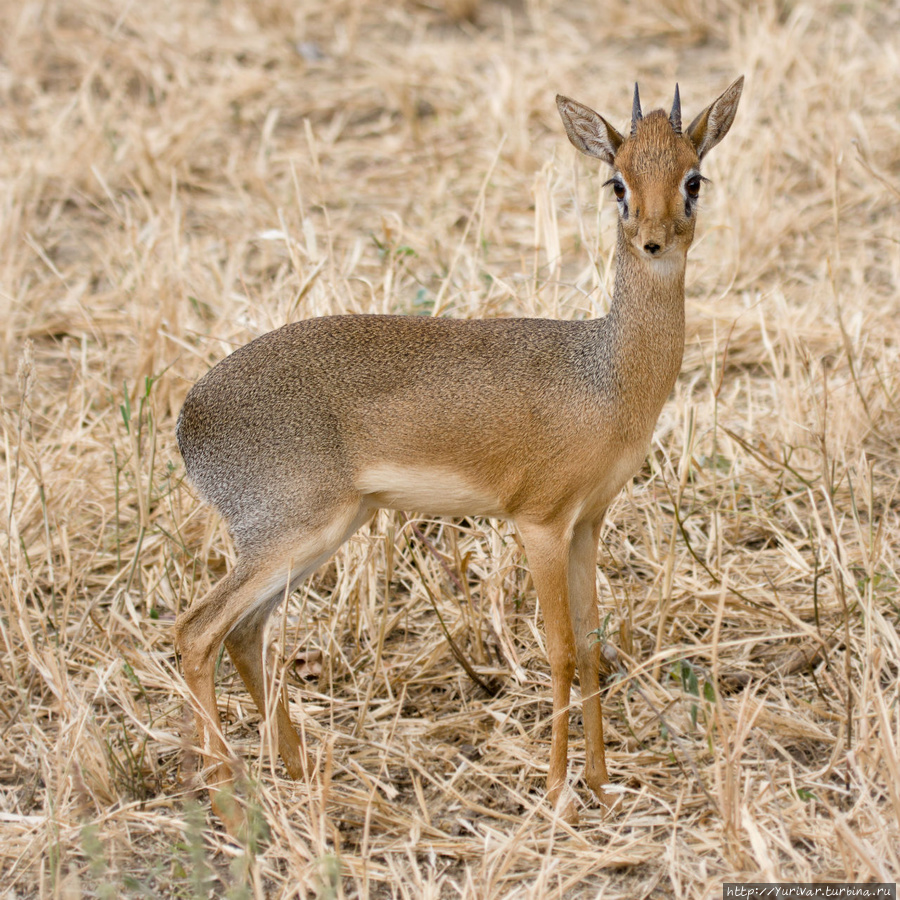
{"x": 713, "y": 123}
{"x": 588, "y": 131}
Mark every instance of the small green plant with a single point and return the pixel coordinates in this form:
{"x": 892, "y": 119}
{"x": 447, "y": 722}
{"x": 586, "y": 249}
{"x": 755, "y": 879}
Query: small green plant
{"x": 685, "y": 673}
{"x": 329, "y": 877}
{"x": 98, "y": 865}
{"x": 140, "y": 428}
{"x": 601, "y": 633}
{"x": 423, "y": 302}
{"x": 193, "y": 867}
{"x": 198, "y": 873}
{"x": 385, "y": 250}
{"x": 127, "y": 761}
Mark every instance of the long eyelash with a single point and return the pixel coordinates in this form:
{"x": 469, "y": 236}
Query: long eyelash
{"x": 609, "y": 182}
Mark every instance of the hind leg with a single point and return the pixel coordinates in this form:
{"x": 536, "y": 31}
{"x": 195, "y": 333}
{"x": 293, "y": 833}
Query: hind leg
{"x": 244, "y": 641}
{"x": 245, "y": 647}
{"x": 235, "y": 612}
{"x": 199, "y": 632}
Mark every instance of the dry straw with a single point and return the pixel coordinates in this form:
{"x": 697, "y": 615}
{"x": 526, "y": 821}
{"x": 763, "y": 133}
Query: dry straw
{"x": 178, "y": 178}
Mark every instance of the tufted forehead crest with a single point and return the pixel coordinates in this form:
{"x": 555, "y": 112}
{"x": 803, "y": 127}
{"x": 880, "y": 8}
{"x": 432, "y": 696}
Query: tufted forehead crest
{"x": 655, "y": 146}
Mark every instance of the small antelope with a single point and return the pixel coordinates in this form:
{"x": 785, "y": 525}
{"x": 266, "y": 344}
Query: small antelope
{"x": 300, "y": 436}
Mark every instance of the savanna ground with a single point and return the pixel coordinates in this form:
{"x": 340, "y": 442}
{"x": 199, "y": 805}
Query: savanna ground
{"x": 180, "y": 177}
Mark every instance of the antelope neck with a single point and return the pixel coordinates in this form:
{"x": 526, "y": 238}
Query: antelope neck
{"x": 646, "y": 322}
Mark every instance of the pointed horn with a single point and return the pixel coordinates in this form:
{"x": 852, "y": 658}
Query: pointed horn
{"x": 636, "y": 114}
{"x": 675, "y": 115}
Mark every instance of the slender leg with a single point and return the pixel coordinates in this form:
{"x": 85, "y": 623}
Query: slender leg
{"x": 245, "y": 647}
{"x": 585, "y": 620}
{"x": 199, "y": 632}
{"x": 548, "y": 559}
{"x": 235, "y": 611}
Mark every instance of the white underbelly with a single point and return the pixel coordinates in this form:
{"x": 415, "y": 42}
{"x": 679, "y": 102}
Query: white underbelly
{"x": 438, "y": 492}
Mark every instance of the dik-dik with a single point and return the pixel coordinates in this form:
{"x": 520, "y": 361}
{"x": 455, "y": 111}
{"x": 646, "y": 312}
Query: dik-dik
{"x": 300, "y": 436}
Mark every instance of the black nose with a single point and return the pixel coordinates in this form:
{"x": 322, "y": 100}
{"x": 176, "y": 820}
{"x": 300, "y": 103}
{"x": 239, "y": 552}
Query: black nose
{"x": 652, "y": 249}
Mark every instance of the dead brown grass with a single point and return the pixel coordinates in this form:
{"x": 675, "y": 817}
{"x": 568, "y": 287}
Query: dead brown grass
{"x": 178, "y": 178}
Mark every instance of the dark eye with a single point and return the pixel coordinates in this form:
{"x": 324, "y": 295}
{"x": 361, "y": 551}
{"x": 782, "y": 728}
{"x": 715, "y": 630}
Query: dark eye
{"x": 618, "y": 190}
{"x": 692, "y": 186}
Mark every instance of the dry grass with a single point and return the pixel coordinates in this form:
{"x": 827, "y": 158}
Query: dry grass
{"x": 179, "y": 178}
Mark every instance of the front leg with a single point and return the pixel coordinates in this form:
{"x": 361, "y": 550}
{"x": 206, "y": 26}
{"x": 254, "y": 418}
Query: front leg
{"x": 547, "y": 549}
{"x": 585, "y": 623}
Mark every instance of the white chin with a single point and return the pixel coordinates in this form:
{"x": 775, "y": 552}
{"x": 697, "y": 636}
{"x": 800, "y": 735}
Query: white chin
{"x": 664, "y": 263}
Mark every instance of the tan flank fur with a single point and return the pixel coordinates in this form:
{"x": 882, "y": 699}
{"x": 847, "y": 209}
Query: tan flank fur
{"x": 300, "y": 436}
